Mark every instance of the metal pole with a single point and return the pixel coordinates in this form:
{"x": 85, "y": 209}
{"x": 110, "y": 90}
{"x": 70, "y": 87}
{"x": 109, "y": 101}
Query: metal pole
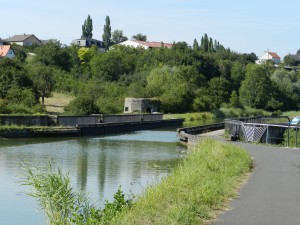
{"x": 267, "y": 142}
{"x": 296, "y": 137}
{"x": 288, "y": 144}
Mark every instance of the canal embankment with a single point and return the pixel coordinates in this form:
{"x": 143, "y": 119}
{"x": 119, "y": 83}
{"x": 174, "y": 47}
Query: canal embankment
{"x": 77, "y": 126}
{"x": 196, "y": 189}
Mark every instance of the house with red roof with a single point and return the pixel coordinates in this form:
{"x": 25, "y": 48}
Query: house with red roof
{"x": 145, "y": 44}
{"x": 6, "y": 51}
{"x": 269, "y": 56}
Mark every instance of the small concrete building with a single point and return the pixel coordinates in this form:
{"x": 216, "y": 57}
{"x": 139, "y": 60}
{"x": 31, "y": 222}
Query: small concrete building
{"x": 141, "y": 105}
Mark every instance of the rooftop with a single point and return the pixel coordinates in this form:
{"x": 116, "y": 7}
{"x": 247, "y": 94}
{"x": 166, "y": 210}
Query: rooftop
{"x": 4, "y": 49}
{"x": 20, "y": 38}
{"x": 274, "y": 55}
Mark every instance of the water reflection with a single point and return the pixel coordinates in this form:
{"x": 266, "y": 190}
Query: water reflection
{"x": 96, "y": 165}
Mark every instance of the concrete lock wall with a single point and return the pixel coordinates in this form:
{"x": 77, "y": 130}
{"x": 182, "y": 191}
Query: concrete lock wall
{"x": 72, "y": 121}
{"x": 132, "y": 118}
{"x": 27, "y": 120}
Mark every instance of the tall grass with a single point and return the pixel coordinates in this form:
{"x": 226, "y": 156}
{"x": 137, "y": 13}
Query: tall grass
{"x": 240, "y": 112}
{"x": 196, "y": 116}
{"x": 62, "y": 205}
{"x": 203, "y": 183}
{"x": 199, "y": 186}
{"x": 291, "y": 114}
{"x": 225, "y": 112}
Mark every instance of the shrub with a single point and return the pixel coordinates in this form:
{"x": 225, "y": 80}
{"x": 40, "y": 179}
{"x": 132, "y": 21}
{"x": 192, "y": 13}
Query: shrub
{"x": 82, "y": 105}
{"x": 62, "y": 205}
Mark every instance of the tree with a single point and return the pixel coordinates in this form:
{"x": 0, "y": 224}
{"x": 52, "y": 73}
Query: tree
{"x": 87, "y": 28}
{"x": 288, "y": 83}
{"x": 170, "y": 88}
{"x": 234, "y": 100}
{"x": 20, "y": 51}
{"x": 196, "y": 45}
{"x": 111, "y": 65}
{"x": 106, "y": 37}
{"x": 118, "y": 37}
{"x": 289, "y": 61}
{"x": 43, "y": 81}
{"x": 140, "y": 37}
{"x": 86, "y": 54}
{"x": 205, "y": 43}
{"x": 12, "y": 74}
{"x": 53, "y": 54}
{"x": 257, "y": 88}
{"x": 210, "y": 45}
{"x": 237, "y": 75}
{"x": 219, "y": 90}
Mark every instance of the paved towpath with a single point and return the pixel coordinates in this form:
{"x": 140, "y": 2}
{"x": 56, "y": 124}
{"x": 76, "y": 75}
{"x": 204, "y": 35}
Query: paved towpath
{"x": 271, "y": 196}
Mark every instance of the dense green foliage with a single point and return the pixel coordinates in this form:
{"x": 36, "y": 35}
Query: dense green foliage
{"x": 204, "y": 77}
{"x": 106, "y": 36}
{"x": 204, "y": 182}
{"x": 87, "y": 28}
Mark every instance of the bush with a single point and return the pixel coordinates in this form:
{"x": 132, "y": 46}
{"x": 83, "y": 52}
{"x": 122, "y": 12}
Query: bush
{"x": 82, "y": 105}
{"x": 61, "y": 205}
{"x": 3, "y": 107}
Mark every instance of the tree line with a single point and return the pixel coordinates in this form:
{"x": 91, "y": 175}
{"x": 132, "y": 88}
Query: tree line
{"x": 184, "y": 78}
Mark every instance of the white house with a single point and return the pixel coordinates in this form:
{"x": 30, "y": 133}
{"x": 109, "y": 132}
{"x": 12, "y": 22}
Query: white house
{"x": 145, "y": 44}
{"x": 269, "y": 56}
{"x": 6, "y": 51}
{"x": 24, "y": 39}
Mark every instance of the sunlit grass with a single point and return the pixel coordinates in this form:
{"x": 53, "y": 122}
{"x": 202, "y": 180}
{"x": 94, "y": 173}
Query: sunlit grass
{"x": 202, "y": 184}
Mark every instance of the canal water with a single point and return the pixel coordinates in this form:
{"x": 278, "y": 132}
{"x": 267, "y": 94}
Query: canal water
{"x": 96, "y": 165}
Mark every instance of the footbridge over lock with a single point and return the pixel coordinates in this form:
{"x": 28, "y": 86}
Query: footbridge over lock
{"x": 263, "y": 129}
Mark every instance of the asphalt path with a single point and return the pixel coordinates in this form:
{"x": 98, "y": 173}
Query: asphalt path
{"x": 271, "y": 196}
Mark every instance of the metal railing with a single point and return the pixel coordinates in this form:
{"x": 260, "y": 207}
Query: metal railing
{"x": 268, "y": 130}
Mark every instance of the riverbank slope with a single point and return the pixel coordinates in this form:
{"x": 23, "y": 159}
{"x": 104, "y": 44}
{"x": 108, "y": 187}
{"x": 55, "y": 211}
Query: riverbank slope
{"x": 196, "y": 189}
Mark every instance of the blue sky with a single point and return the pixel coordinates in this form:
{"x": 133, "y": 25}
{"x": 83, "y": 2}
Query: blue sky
{"x": 244, "y": 26}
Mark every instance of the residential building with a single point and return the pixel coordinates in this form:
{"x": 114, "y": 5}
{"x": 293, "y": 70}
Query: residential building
{"x": 295, "y": 59}
{"x": 145, "y": 44}
{"x": 88, "y": 42}
{"x": 24, "y": 40}
{"x": 6, "y": 51}
{"x": 269, "y": 56}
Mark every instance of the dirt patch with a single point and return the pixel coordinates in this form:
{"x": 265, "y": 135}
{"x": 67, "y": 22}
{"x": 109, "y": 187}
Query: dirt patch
{"x": 55, "y": 104}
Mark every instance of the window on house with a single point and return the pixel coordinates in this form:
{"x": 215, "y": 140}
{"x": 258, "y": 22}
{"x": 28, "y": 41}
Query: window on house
{"x": 126, "y": 109}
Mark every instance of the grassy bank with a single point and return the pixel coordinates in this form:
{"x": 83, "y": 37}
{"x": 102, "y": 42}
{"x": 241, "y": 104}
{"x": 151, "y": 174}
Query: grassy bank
{"x": 4, "y": 128}
{"x": 291, "y": 114}
{"x": 202, "y": 184}
{"x": 196, "y": 118}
